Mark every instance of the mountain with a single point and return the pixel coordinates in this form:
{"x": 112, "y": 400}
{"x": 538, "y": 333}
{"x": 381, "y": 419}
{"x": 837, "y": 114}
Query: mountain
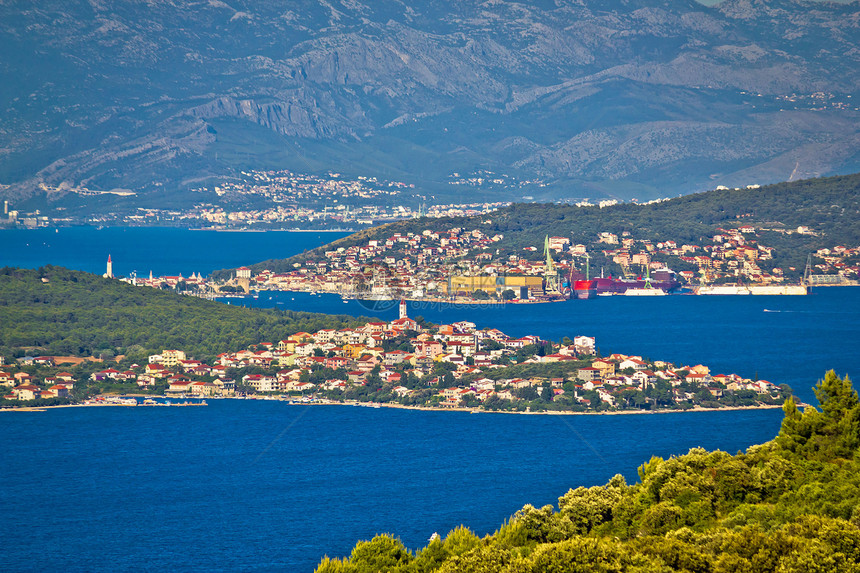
{"x": 588, "y": 98}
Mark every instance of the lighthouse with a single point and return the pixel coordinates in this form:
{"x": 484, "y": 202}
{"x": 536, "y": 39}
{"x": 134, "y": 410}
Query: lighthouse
{"x": 109, "y": 273}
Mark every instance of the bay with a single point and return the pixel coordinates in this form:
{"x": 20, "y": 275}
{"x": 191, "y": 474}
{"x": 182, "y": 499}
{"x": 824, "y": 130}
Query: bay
{"x": 265, "y": 486}
{"x": 165, "y": 251}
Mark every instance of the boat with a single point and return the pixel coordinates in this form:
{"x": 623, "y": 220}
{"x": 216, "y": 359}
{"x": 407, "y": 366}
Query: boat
{"x": 376, "y": 297}
{"x": 584, "y": 289}
{"x": 647, "y": 288}
{"x": 645, "y": 291}
{"x": 663, "y": 279}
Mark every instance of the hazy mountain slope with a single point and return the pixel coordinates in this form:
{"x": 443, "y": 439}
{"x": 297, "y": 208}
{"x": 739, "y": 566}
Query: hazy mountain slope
{"x": 671, "y": 96}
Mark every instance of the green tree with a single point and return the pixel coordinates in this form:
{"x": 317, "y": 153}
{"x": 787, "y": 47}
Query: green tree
{"x": 587, "y": 508}
{"x": 383, "y": 553}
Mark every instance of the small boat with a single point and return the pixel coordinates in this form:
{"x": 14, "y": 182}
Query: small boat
{"x": 647, "y": 291}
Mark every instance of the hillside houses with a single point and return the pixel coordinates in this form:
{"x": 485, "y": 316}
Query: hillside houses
{"x": 450, "y": 365}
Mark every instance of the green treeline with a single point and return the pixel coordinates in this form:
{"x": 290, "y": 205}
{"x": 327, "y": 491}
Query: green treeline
{"x": 829, "y": 205}
{"x": 790, "y": 505}
{"x": 55, "y": 311}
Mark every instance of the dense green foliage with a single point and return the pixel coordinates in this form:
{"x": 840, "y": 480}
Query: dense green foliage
{"x": 830, "y": 206}
{"x": 82, "y": 314}
{"x": 792, "y": 504}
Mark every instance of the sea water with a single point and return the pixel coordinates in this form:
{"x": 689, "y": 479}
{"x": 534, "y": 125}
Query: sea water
{"x": 267, "y": 486}
{"x": 164, "y": 251}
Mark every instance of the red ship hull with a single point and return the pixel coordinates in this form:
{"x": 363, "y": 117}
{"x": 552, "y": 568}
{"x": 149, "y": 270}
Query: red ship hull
{"x": 585, "y": 289}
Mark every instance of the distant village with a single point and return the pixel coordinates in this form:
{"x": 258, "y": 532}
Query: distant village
{"x": 400, "y": 363}
{"x": 279, "y": 199}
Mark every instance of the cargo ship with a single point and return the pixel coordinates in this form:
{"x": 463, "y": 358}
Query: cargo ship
{"x": 662, "y": 279}
{"x": 584, "y": 289}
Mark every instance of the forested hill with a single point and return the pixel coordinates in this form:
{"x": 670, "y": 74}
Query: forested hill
{"x": 829, "y": 206}
{"x": 790, "y": 505}
{"x": 53, "y": 310}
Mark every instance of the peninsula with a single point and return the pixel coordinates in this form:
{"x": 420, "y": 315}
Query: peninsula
{"x": 405, "y": 362}
{"x": 774, "y": 236}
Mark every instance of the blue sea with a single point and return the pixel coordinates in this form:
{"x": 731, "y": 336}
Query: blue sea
{"x": 267, "y": 486}
{"x": 164, "y": 251}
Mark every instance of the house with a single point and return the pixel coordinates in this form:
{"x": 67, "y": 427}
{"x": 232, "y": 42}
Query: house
{"x": 606, "y": 367}
{"x": 698, "y": 379}
{"x": 168, "y": 357}
{"x": 357, "y": 376}
{"x": 104, "y": 375}
{"x": 334, "y": 384}
{"x": 644, "y": 378}
{"x": 484, "y": 384}
{"x": 26, "y": 392}
{"x": 588, "y": 374}
{"x": 260, "y": 382}
{"x": 394, "y": 358}
{"x": 633, "y": 363}
{"x": 336, "y": 362}
{"x": 179, "y": 385}
{"x": 6, "y": 379}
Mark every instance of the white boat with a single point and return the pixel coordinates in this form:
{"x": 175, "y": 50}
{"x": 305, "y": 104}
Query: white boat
{"x": 723, "y": 289}
{"x": 645, "y": 292}
{"x": 377, "y": 297}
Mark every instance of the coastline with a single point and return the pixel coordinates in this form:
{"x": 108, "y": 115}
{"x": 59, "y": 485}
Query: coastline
{"x": 426, "y": 408}
{"x": 544, "y": 413}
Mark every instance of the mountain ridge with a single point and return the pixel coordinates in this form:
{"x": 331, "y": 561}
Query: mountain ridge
{"x": 568, "y": 92}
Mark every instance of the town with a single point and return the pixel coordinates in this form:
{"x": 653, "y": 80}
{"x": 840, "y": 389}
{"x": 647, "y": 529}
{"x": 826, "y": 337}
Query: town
{"x": 402, "y": 363}
{"x": 461, "y": 265}
{"x": 276, "y": 200}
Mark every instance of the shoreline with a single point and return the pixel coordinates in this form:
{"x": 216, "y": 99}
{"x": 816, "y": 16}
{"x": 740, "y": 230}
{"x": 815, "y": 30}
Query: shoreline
{"x": 544, "y": 413}
{"x": 425, "y": 408}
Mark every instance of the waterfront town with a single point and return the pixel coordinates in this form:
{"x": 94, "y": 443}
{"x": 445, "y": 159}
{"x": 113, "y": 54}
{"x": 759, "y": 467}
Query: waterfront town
{"x": 403, "y": 363}
{"x": 280, "y": 200}
{"x": 462, "y": 265}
